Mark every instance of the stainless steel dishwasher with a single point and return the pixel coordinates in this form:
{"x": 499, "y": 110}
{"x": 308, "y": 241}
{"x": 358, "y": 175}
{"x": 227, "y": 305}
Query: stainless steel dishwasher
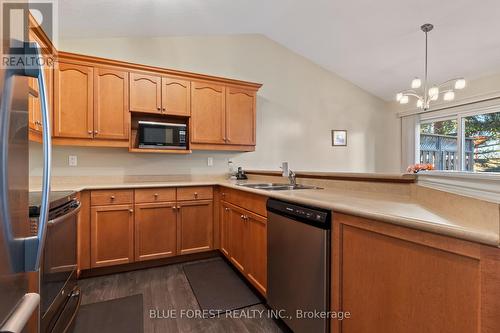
{"x": 299, "y": 265}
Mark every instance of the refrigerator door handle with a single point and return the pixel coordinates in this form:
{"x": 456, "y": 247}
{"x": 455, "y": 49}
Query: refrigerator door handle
{"x": 21, "y": 314}
{"x": 33, "y": 246}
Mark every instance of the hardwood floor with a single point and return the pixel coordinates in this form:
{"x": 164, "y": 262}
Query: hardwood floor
{"x": 166, "y": 288}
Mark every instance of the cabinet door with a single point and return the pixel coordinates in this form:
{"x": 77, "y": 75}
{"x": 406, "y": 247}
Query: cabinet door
{"x": 237, "y": 234}
{"x": 73, "y": 102}
{"x": 35, "y": 114}
{"x": 225, "y": 216}
{"x": 195, "y": 226}
{"x": 256, "y": 250}
{"x": 240, "y": 116}
{"x": 155, "y": 230}
{"x": 145, "y": 93}
{"x": 112, "y": 235}
{"x": 111, "y": 112}
{"x": 208, "y": 113}
{"x": 176, "y": 96}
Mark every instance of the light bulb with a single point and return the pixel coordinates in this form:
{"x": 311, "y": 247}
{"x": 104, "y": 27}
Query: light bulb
{"x": 460, "y": 84}
{"x": 449, "y": 95}
{"x": 404, "y": 100}
{"x": 434, "y": 93}
{"x": 420, "y": 104}
{"x": 399, "y": 96}
{"x": 416, "y": 83}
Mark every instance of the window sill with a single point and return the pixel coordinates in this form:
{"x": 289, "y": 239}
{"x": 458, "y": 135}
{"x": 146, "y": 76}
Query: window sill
{"x": 483, "y": 186}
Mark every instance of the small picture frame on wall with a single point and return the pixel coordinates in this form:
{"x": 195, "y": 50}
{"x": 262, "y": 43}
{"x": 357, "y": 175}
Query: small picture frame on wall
{"x": 339, "y": 138}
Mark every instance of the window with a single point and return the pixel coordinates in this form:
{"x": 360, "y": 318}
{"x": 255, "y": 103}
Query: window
{"x": 466, "y": 142}
{"x": 482, "y": 142}
{"x": 438, "y": 144}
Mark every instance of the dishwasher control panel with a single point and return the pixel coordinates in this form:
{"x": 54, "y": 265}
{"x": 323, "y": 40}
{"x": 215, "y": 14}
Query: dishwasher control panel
{"x": 302, "y": 213}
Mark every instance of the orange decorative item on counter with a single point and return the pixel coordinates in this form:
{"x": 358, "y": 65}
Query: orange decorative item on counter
{"x": 415, "y": 168}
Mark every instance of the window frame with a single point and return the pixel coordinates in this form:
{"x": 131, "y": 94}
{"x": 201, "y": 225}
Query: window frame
{"x": 459, "y": 116}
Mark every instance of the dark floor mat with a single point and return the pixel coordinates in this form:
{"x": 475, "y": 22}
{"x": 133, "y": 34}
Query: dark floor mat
{"x": 117, "y": 315}
{"x": 217, "y": 287}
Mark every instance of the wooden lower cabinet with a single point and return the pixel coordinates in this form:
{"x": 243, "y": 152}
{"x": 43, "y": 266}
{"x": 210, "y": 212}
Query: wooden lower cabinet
{"x": 224, "y": 216}
{"x": 394, "y": 279}
{"x": 237, "y": 235}
{"x": 256, "y": 249}
{"x": 194, "y": 226}
{"x": 244, "y": 243}
{"x": 112, "y": 235}
{"x": 155, "y": 230}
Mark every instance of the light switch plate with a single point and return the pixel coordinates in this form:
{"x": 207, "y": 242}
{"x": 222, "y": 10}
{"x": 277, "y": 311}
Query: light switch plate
{"x": 210, "y": 161}
{"x": 73, "y": 160}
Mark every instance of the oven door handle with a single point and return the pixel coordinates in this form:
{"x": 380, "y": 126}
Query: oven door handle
{"x": 59, "y": 219}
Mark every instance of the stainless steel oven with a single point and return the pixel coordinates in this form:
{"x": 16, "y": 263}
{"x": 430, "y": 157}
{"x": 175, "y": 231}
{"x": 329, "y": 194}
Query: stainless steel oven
{"x": 160, "y": 135}
{"x": 59, "y": 293}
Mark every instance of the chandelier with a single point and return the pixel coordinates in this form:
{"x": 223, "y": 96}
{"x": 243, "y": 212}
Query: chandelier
{"x": 425, "y": 93}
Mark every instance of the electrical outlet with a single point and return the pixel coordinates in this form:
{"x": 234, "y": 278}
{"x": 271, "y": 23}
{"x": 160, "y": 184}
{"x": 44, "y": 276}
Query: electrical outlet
{"x": 210, "y": 161}
{"x": 73, "y": 160}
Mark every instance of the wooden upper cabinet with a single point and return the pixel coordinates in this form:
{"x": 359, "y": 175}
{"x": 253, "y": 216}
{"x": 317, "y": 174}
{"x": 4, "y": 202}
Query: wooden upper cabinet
{"x": 111, "y": 111}
{"x": 176, "y": 96}
{"x": 240, "y": 116}
{"x": 35, "y": 114}
{"x": 208, "y": 113}
{"x": 73, "y": 101}
{"x": 145, "y": 93}
{"x": 155, "y": 230}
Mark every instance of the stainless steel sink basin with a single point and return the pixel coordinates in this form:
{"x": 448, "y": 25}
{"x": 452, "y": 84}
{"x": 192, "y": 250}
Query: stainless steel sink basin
{"x": 280, "y": 187}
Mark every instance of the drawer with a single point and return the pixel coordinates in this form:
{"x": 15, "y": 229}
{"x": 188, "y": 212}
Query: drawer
{"x": 154, "y": 195}
{"x": 250, "y": 201}
{"x": 194, "y": 193}
{"x": 111, "y": 197}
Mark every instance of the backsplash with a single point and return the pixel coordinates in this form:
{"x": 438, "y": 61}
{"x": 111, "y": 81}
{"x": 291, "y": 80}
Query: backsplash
{"x": 119, "y": 162}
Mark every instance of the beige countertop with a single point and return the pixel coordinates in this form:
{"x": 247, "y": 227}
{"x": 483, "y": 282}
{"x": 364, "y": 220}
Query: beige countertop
{"x": 384, "y": 205}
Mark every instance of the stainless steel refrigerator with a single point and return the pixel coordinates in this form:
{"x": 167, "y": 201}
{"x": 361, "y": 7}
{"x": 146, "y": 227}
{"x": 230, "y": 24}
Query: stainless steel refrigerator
{"x": 20, "y": 253}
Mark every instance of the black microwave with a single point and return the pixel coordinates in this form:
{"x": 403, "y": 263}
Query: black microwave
{"x": 159, "y": 135}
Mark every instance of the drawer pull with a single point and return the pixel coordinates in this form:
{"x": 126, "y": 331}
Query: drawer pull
{"x": 156, "y": 195}
{"x": 196, "y": 195}
{"x": 112, "y": 197}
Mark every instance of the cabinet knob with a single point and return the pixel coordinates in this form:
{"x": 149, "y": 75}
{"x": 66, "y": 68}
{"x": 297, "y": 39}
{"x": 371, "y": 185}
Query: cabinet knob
{"x": 226, "y": 209}
{"x": 158, "y": 108}
{"x": 131, "y": 210}
{"x": 90, "y": 132}
{"x": 95, "y": 132}
{"x": 156, "y": 195}
{"x": 223, "y": 194}
{"x": 242, "y": 217}
{"x": 196, "y": 195}
{"x": 164, "y": 110}
{"x": 112, "y": 197}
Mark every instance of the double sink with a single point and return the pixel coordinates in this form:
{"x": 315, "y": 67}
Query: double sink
{"x": 280, "y": 187}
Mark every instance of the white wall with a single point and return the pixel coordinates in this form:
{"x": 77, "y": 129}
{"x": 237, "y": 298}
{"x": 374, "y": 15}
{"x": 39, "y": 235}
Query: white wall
{"x": 298, "y": 105}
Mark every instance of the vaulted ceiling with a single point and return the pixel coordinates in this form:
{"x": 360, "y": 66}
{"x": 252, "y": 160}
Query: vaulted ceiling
{"x": 376, "y": 44}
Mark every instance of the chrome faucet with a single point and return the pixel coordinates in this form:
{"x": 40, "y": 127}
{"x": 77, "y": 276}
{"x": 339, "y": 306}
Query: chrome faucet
{"x": 292, "y": 177}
